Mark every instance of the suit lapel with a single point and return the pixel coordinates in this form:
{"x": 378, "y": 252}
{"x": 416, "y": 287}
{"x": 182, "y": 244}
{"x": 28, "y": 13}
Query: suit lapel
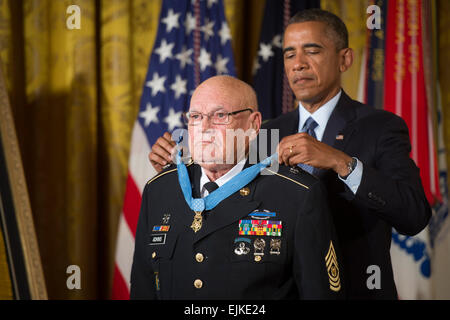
{"x": 339, "y": 123}
{"x": 284, "y": 125}
{"x": 339, "y": 126}
{"x": 290, "y": 124}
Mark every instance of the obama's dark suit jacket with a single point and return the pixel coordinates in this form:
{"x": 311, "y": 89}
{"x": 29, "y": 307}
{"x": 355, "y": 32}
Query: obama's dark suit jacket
{"x": 390, "y": 194}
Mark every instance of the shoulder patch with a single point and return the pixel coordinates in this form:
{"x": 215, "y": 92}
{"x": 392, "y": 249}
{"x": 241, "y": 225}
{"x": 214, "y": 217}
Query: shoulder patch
{"x": 168, "y": 170}
{"x": 288, "y": 178}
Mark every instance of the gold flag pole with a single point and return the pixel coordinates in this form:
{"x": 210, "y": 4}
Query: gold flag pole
{"x": 21, "y": 204}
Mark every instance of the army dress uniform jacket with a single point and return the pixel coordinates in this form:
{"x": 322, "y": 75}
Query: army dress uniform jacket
{"x": 292, "y": 254}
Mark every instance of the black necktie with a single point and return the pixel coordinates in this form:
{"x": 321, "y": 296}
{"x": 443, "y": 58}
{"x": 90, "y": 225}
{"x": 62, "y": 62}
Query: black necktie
{"x": 210, "y": 186}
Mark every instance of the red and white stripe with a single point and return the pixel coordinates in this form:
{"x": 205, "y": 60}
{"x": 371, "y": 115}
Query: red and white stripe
{"x": 139, "y": 172}
{"x": 406, "y": 95}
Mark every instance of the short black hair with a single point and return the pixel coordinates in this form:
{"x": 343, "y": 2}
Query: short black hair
{"x": 334, "y": 24}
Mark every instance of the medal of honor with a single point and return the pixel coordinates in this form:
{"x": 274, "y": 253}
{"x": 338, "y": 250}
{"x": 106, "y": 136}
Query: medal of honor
{"x": 197, "y": 223}
{"x": 214, "y": 198}
{"x": 198, "y": 206}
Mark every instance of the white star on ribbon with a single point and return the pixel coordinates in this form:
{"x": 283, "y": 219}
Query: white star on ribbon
{"x": 184, "y": 56}
{"x": 210, "y": 3}
{"x": 173, "y": 119}
{"x": 190, "y": 23}
{"x": 221, "y": 64}
{"x": 208, "y": 29}
{"x": 204, "y": 59}
{"x": 165, "y": 50}
{"x": 265, "y": 51}
{"x": 256, "y": 66}
{"x": 179, "y": 86}
{"x": 150, "y": 114}
{"x": 224, "y": 33}
{"x": 171, "y": 21}
{"x": 276, "y": 41}
{"x": 156, "y": 84}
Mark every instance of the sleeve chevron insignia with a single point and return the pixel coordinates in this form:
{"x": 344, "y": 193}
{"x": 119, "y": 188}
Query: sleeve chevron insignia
{"x": 333, "y": 269}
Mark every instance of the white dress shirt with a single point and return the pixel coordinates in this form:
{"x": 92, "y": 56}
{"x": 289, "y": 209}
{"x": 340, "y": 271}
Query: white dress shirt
{"x": 223, "y": 179}
{"x": 321, "y": 116}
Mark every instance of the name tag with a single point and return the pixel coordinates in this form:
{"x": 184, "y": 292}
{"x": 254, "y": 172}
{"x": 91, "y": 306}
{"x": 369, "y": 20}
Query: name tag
{"x": 157, "y": 239}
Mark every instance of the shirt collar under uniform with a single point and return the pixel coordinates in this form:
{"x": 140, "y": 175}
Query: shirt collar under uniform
{"x": 223, "y": 179}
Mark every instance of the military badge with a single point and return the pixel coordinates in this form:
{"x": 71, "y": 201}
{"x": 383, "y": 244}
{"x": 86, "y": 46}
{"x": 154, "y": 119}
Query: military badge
{"x": 262, "y": 214}
{"x": 294, "y": 170}
{"x": 275, "y": 245}
{"x": 197, "y": 222}
{"x": 332, "y": 269}
{"x": 166, "y": 218}
{"x": 244, "y": 191}
{"x": 259, "y": 245}
{"x": 242, "y": 246}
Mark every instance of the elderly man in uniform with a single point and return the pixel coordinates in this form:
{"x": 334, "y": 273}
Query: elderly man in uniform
{"x": 267, "y": 236}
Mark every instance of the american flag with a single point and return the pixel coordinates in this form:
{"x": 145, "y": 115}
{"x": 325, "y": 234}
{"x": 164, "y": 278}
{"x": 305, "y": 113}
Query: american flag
{"x": 371, "y": 82}
{"x": 193, "y": 43}
{"x": 405, "y": 94}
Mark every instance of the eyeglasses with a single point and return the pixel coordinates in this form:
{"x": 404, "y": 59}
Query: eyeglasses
{"x": 218, "y": 117}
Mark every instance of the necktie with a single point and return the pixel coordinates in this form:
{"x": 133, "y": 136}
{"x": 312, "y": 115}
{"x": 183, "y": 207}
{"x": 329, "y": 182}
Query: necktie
{"x": 210, "y": 186}
{"x": 309, "y": 127}
{"x": 198, "y": 205}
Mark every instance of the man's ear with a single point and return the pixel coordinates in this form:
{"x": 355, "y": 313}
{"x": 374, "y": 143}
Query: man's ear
{"x": 255, "y": 121}
{"x": 346, "y": 59}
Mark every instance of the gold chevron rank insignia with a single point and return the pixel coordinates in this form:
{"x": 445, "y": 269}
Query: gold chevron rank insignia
{"x": 332, "y": 269}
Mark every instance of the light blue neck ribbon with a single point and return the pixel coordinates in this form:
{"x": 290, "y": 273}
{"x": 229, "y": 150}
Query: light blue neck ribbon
{"x": 214, "y": 198}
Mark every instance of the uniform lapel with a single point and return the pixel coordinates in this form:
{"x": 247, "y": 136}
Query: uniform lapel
{"x": 187, "y": 215}
{"x": 195, "y": 175}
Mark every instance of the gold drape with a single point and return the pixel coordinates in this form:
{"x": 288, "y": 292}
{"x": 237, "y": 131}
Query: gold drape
{"x": 443, "y": 34}
{"x": 128, "y": 30}
{"x": 75, "y": 96}
{"x": 353, "y": 13}
{"x": 61, "y": 164}
{"x": 5, "y": 282}
{"x": 5, "y": 57}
